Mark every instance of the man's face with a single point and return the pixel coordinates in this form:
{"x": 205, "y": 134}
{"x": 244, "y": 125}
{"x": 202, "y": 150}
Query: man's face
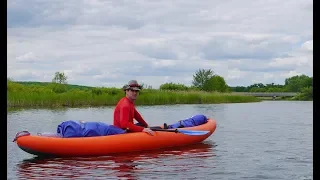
{"x": 132, "y": 94}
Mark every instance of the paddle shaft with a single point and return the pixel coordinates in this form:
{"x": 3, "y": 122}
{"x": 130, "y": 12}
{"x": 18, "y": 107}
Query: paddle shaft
{"x": 166, "y": 130}
{"x": 187, "y": 132}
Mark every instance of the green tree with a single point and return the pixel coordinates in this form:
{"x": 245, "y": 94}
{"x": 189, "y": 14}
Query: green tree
{"x": 201, "y": 77}
{"x": 216, "y": 83}
{"x": 296, "y": 83}
{"x": 60, "y": 78}
{"x": 239, "y": 89}
{"x": 306, "y": 94}
{"x": 59, "y": 83}
{"x": 257, "y": 89}
{"x": 255, "y": 86}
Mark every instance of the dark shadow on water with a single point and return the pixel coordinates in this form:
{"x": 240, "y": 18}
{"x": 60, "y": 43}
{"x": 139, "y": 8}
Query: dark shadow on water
{"x": 15, "y": 109}
{"x": 52, "y": 109}
{"x": 55, "y": 109}
{"x": 127, "y": 166}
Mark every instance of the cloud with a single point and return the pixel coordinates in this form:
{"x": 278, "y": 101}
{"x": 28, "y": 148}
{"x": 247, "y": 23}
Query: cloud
{"x": 243, "y": 47}
{"x": 107, "y": 43}
{"x": 307, "y": 46}
{"x": 26, "y": 58}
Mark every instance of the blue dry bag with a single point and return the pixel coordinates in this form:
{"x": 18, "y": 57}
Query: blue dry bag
{"x": 72, "y": 128}
{"x": 190, "y": 122}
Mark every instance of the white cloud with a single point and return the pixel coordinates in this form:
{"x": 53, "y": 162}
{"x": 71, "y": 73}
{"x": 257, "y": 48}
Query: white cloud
{"x": 235, "y": 74}
{"x": 308, "y": 46}
{"x": 164, "y": 63}
{"x": 290, "y": 61}
{"x": 27, "y": 57}
{"x": 107, "y": 43}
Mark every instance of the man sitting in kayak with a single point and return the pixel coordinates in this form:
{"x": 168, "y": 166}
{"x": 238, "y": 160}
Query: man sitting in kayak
{"x": 125, "y": 111}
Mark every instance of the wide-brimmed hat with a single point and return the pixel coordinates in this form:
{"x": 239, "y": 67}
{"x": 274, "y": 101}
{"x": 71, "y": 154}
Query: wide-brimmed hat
{"x": 133, "y": 85}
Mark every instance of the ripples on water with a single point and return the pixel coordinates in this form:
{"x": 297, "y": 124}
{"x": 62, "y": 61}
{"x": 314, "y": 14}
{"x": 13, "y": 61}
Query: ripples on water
{"x": 147, "y": 165}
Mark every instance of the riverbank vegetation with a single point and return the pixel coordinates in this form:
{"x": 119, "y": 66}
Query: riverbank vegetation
{"x": 44, "y": 97}
{"x": 205, "y": 80}
{"x": 301, "y": 84}
{"x": 206, "y": 87}
{"x": 59, "y": 93}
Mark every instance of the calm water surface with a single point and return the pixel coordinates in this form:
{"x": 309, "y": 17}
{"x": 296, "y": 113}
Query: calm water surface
{"x": 266, "y": 140}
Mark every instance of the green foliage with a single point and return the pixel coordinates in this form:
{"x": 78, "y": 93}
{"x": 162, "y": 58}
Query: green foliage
{"x": 96, "y": 91}
{"x": 58, "y": 88}
{"x": 257, "y": 89}
{"x": 206, "y": 80}
{"x": 296, "y": 83}
{"x": 32, "y": 83}
{"x": 173, "y": 87}
{"x": 239, "y": 89}
{"x": 193, "y": 88}
{"x": 56, "y": 95}
{"x": 110, "y": 91}
{"x": 60, "y": 78}
{"x": 300, "y": 83}
{"x": 14, "y": 87}
{"x": 305, "y": 95}
{"x": 194, "y": 97}
{"x": 45, "y": 84}
{"x": 268, "y": 88}
{"x": 215, "y": 83}
{"x": 276, "y": 89}
{"x": 201, "y": 77}
{"x": 59, "y": 93}
{"x": 256, "y": 85}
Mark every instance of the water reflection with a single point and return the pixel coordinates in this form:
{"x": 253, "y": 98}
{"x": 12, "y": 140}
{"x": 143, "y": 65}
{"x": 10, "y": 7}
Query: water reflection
{"x": 128, "y": 166}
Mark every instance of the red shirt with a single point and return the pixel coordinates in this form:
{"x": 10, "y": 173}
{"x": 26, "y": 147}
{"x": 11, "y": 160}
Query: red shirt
{"x": 123, "y": 116}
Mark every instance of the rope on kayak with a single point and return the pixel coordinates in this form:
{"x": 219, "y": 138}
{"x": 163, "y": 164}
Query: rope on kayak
{"x": 21, "y": 133}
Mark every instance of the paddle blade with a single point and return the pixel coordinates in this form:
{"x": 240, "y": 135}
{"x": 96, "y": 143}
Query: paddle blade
{"x": 193, "y": 132}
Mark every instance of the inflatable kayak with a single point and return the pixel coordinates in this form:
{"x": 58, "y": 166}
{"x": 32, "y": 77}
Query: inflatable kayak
{"x": 120, "y": 143}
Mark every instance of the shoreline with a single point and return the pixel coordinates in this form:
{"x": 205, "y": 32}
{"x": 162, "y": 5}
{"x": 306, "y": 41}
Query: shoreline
{"x": 18, "y": 108}
{"x": 54, "y": 95}
{"x": 149, "y": 98}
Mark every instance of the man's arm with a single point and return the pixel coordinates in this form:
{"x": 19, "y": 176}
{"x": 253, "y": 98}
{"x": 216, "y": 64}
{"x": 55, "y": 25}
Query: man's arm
{"x": 124, "y": 120}
{"x": 139, "y": 118}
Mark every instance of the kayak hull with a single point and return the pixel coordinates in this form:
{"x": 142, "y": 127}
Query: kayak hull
{"x": 104, "y": 145}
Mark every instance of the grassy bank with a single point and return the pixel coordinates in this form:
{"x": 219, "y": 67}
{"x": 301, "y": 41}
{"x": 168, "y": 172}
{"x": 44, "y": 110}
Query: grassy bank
{"x": 57, "y": 95}
{"x": 82, "y": 98}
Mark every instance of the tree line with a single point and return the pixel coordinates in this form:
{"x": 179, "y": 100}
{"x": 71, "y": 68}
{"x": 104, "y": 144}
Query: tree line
{"x": 203, "y": 80}
{"x": 207, "y": 80}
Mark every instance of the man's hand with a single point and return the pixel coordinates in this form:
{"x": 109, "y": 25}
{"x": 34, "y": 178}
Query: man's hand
{"x": 149, "y": 131}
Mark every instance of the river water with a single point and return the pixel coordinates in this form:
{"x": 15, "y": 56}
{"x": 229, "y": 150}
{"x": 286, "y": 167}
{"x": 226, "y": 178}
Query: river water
{"x": 264, "y": 140}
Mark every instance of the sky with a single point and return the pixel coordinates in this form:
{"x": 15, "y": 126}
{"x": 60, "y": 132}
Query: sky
{"x": 106, "y": 43}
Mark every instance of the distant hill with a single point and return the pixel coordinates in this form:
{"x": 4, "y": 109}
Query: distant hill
{"x": 70, "y": 86}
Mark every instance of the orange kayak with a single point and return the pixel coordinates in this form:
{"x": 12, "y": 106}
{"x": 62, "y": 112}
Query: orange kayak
{"x": 104, "y": 145}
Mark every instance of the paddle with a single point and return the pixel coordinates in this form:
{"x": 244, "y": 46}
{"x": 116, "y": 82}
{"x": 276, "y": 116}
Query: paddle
{"x": 188, "y": 132}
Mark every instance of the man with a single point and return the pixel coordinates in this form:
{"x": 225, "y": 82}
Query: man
{"x": 125, "y": 111}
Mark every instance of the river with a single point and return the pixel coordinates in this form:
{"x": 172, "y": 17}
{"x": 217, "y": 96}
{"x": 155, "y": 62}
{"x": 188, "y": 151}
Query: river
{"x": 263, "y": 140}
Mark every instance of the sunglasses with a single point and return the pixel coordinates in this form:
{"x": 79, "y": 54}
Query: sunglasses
{"x": 135, "y": 85}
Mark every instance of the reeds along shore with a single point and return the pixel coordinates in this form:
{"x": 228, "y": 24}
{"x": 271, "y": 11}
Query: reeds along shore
{"x": 42, "y": 96}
